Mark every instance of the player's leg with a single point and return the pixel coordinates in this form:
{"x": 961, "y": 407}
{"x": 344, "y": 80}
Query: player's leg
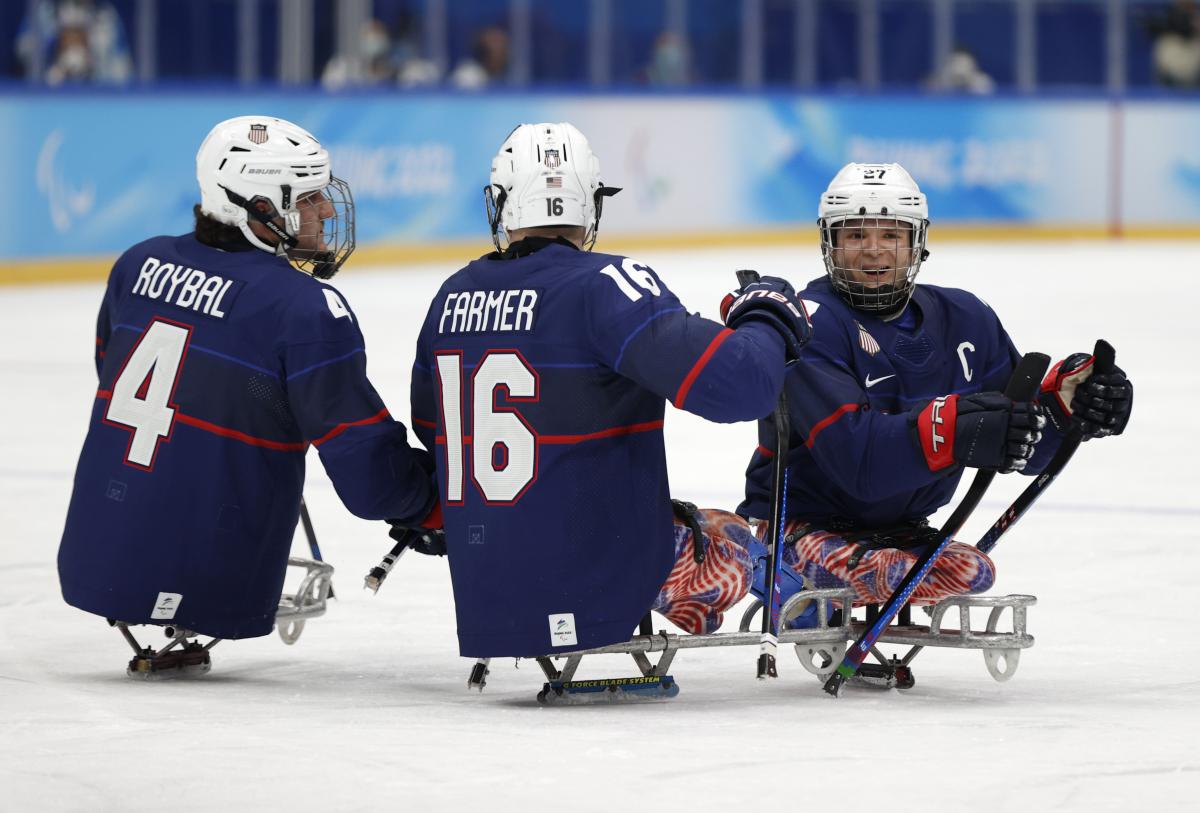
{"x": 696, "y": 594}
{"x": 827, "y": 559}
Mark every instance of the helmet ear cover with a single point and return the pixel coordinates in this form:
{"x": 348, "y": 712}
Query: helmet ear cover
{"x": 262, "y": 209}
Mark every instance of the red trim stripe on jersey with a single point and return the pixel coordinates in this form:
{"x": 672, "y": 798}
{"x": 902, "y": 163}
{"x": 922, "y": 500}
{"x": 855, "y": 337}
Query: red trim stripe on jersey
{"x": 698, "y": 367}
{"x": 234, "y": 434}
{"x": 381, "y": 415}
{"x": 616, "y": 431}
{"x": 280, "y": 446}
{"x": 422, "y": 422}
{"x": 824, "y": 423}
{"x": 764, "y": 451}
{"x": 561, "y": 440}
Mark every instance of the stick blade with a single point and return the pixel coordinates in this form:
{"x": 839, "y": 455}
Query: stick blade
{"x": 1023, "y": 384}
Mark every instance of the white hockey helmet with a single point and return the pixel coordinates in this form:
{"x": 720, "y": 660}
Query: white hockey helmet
{"x": 545, "y": 175}
{"x": 278, "y": 174}
{"x": 866, "y": 197}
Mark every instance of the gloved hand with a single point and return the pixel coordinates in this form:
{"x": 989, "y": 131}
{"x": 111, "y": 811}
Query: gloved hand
{"x": 1098, "y": 403}
{"x": 771, "y": 301}
{"x": 983, "y": 431}
{"x": 428, "y": 538}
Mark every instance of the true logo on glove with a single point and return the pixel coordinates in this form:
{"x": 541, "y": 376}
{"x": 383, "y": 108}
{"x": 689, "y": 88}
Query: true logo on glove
{"x": 772, "y": 295}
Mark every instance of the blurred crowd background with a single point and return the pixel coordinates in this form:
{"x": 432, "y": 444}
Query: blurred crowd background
{"x": 944, "y": 46}
{"x": 722, "y": 119}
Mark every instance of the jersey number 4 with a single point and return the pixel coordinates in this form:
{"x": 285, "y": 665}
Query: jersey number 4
{"x": 504, "y": 447}
{"x": 144, "y": 389}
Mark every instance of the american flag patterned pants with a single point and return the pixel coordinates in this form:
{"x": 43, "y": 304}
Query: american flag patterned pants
{"x": 696, "y": 595}
{"x": 825, "y": 559}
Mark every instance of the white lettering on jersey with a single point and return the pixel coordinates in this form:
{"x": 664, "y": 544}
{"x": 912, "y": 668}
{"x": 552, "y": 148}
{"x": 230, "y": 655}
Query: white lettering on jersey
{"x": 336, "y": 306}
{"x": 936, "y": 420}
{"x": 183, "y": 287}
{"x": 488, "y": 311}
{"x": 962, "y": 356}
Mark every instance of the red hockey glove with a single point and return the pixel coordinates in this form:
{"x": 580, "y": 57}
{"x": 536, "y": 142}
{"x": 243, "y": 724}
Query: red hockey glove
{"x": 984, "y": 431}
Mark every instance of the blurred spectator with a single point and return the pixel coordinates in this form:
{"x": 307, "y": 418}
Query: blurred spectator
{"x": 670, "y": 62}
{"x": 960, "y": 73}
{"x": 380, "y": 61}
{"x": 412, "y": 69}
{"x": 1176, "y": 51}
{"x": 488, "y": 63}
{"x": 74, "y": 41}
{"x": 371, "y": 64}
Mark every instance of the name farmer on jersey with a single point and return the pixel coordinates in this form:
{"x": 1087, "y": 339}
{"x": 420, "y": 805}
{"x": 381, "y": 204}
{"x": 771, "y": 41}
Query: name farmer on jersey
{"x": 492, "y": 311}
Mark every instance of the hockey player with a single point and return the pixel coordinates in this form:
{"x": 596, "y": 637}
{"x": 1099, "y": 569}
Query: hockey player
{"x": 222, "y": 357}
{"x": 540, "y": 381}
{"x": 897, "y": 394}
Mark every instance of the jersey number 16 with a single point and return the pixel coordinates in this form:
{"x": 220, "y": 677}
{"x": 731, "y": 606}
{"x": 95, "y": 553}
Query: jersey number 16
{"x": 504, "y": 447}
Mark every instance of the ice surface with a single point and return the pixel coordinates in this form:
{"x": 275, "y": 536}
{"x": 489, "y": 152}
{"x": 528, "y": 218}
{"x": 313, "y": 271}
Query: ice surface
{"x": 370, "y": 711}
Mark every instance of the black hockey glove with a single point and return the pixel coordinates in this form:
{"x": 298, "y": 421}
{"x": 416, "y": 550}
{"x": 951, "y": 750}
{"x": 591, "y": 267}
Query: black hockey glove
{"x": 771, "y": 301}
{"x": 1099, "y": 404}
{"x": 429, "y": 541}
{"x": 983, "y": 431}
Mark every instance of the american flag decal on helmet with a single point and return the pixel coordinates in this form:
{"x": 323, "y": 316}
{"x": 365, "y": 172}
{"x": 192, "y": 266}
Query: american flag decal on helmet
{"x": 258, "y": 134}
{"x": 866, "y": 341}
{"x": 550, "y": 159}
{"x": 554, "y": 182}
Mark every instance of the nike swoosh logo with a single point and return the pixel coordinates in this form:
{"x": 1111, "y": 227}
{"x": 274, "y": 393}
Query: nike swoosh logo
{"x": 871, "y": 382}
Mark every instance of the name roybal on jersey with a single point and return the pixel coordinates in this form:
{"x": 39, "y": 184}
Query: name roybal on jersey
{"x": 488, "y": 311}
{"x": 184, "y": 287}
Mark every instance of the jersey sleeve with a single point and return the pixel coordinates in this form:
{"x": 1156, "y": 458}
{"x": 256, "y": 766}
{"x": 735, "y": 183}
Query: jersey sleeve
{"x": 366, "y": 453}
{"x": 108, "y": 309}
{"x": 642, "y": 331}
{"x": 867, "y": 453}
{"x": 423, "y": 391}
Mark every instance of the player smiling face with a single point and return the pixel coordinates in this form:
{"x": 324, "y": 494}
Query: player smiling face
{"x": 871, "y": 251}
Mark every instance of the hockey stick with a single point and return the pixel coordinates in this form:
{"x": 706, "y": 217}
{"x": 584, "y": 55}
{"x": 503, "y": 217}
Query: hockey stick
{"x": 311, "y": 534}
{"x": 374, "y": 579}
{"x": 1105, "y": 357}
{"x": 1022, "y": 386}
{"x": 769, "y": 642}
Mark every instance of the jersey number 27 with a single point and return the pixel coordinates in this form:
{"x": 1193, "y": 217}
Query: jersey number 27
{"x": 504, "y": 447}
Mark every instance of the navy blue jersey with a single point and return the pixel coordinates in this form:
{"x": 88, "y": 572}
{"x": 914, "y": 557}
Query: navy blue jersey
{"x": 851, "y": 453}
{"x": 541, "y": 381}
{"x": 217, "y": 371}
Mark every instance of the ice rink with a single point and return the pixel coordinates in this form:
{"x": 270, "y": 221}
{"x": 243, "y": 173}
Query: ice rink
{"x": 369, "y": 711}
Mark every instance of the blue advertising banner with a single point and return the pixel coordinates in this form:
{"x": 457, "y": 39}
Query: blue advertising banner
{"x": 106, "y": 171}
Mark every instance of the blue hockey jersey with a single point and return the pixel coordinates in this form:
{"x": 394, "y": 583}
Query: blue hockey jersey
{"x": 540, "y": 382}
{"x": 217, "y": 371}
{"x": 851, "y": 454}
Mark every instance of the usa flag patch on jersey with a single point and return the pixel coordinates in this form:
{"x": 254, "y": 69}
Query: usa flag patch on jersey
{"x": 866, "y": 341}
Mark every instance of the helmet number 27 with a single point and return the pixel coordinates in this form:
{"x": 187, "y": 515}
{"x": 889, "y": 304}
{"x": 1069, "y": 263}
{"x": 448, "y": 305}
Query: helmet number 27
{"x": 504, "y": 447}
